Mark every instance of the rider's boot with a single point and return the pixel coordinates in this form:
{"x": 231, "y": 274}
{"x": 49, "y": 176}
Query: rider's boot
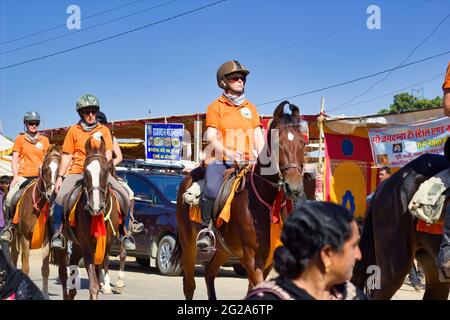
{"x": 58, "y": 240}
{"x": 206, "y": 207}
{"x": 7, "y": 232}
{"x": 443, "y": 259}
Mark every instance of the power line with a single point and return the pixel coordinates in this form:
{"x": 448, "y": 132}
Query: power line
{"x": 113, "y": 36}
{"x": 86, "y": 29}
{"x": 63, "y": 25}
{"x": 355, "y": 80}
{"x": 409, "y": 55}
{"x": 390, "y": 93}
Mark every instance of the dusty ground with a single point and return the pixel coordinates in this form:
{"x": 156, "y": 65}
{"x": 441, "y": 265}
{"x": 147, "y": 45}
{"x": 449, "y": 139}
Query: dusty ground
{"x": 147, "y": 284}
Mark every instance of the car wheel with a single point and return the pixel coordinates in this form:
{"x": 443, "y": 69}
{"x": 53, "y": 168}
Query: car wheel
{"x": 164, "y": 257}
{"x": 240, "y": 270}
{"x": 143, "y": 262}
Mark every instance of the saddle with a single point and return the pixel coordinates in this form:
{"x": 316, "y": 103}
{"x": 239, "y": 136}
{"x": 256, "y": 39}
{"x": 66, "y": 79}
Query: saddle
{"x": 428, "y": 202}
{"x": 193, "y": 194}
{"x": 70, "y": 199}
{"x": 18, "y": 195}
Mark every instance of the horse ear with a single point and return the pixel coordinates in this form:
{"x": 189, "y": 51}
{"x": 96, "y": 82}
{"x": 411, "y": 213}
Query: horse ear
{"x": 295, "y": 112}
{"x": 88, "y": 146}
{"x": 102, "y": 147}
{"x": 279, "y": 111}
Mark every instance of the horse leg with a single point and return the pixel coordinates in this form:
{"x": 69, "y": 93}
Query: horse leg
{"x": 60, "y": 255}
{"x": 255, "y": 272}
{"x": 25, "y": 255}
{"x": 103, "y": 276}
{"x": 434, "y": 289}
{"x": 75, "y": 277}
{"x": 211, "y": 271}
{"x": 45, "y": 270}
{"x": 14, "y": 248}
{"x": 120, "y": 283}
{"x": 94, "y": 285}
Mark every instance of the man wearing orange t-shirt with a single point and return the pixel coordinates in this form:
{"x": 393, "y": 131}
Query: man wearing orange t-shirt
{"x": 72, "y": 163}
{"x": 234, "y": 133}
{"x": 28, "y": 153}
{"x": 446, "y": 89}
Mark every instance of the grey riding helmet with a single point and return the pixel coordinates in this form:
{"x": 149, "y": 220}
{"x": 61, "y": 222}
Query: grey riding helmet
{"x": 31, "y": 116}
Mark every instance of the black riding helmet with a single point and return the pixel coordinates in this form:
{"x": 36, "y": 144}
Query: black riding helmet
{"x": 101, "y": 117}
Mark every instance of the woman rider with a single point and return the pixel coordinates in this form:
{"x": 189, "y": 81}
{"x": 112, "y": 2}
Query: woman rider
{"x": 234, "y": 133}
{"x": 72, "y": 162}
{"x": 28, "y": 154}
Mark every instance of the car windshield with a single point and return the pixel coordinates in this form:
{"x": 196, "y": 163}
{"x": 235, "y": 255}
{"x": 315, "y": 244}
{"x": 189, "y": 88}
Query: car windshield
{"x": 168, "y": 185}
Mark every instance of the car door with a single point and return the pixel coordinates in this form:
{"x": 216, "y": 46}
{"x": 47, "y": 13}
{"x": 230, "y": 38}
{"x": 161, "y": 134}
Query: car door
{"x": 147, "y": 209}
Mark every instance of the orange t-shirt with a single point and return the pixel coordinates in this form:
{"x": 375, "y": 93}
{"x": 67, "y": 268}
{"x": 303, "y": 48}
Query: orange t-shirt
{"x": 31, "y": 155}
{"x": 75, "y": 142}
{"x": 235, "y": 124}
{"x": 446, "y": 84}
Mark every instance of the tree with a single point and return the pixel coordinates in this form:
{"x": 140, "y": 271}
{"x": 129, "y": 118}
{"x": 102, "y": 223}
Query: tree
{"x": 407, "y": 102}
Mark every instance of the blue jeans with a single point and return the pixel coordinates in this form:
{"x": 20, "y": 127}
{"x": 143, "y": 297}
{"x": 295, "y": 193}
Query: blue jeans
{"x": 214, "y": 177}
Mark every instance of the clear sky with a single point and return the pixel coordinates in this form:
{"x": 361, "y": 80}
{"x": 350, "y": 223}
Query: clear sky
{"x": 289, "y": 46}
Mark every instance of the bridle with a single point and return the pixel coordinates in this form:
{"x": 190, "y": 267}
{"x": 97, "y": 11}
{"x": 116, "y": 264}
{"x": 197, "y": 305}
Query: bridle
{"x": 37, "y": 186}
{"x": 280, "y": 170}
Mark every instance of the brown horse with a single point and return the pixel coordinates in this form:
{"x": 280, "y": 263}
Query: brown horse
{"x": 247, "y": 235}
{"x": 390, "y": 241}
{"x": 96, "y": 204}
{"x": 34, "y": 199}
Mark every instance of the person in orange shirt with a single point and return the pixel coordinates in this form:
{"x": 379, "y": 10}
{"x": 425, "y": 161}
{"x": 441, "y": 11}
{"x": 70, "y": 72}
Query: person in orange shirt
{"x": 28, "y": 154}
{"x": 234, "y": 133}
{"x": 443, "y": 258}
{"x": 446, "y": 89}
{"x": 72, "y": 163}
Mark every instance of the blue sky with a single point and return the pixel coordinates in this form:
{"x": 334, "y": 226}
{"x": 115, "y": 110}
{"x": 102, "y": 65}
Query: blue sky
{"x": 170, "y": 68}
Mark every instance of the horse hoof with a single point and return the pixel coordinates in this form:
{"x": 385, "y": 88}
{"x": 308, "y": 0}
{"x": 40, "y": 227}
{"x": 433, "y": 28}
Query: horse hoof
{"x": 119, "y": 290}
{"x": 107, "y": 290}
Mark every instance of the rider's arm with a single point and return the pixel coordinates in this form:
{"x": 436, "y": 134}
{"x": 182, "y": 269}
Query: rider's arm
{"x": 117, "y": 153}
{"x": 66, "y": 159}
{"x": 15, "y": 165}
{"x": 259, "y": 140}
{"x": 446, "y": 102}
{"x": 212, "y": 139}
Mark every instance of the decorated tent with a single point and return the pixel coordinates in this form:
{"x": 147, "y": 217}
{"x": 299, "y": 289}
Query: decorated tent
{"x": 5, "y": 161}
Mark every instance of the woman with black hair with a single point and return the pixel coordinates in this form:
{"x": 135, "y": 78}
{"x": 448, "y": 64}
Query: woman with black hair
{"x": 315, "y": 262}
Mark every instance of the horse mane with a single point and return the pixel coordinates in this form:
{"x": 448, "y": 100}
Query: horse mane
{"x": 93, "y": 146}
{"x": 54, "y": 148}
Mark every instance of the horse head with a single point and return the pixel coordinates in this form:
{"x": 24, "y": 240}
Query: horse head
{"x": 50, "y": 168}
{"x": 286, "y": 146}
{"x": 95, "y": 175}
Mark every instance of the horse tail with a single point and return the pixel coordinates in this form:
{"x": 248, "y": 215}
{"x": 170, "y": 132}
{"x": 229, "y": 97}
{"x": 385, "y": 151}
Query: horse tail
{"x": 176, "y": 259}
{"x": 367, "y": 247}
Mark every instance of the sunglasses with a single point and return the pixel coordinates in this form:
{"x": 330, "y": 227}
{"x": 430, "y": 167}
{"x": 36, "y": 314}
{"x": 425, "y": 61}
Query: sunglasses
{"x": 236, "y": 78}
{"x": 33, "y": 124}
{"x": 88, "y": 112}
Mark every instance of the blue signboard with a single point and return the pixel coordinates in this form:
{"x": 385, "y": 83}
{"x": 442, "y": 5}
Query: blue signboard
{"x": 163, "y": 141}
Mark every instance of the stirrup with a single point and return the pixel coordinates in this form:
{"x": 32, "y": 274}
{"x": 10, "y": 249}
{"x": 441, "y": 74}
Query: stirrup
{"x": 131, "y": 239}
{"x": 60, "y": 237}
{"x": 206, "y": 232}
{"x": 7, "y": 235}
{"x": 137, "y": 227}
